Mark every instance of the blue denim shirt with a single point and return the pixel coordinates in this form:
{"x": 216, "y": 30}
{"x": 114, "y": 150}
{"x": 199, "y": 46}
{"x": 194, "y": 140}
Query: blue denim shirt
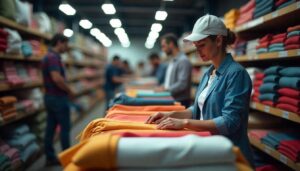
{"x": 227, "y": 102}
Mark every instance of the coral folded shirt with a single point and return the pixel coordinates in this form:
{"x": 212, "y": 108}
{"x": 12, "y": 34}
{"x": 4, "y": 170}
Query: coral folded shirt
{"x": 249, "y": 6}
{"x": 288, "y": 107}
{"x": 292, "y": 46}
{"x": 293, "y": 28}
{"x": 161, "y": 133}
{"x": 259, "y": 76}
{"x": 292, "y": 40}
{"x": 278, "y": 40}
{"x": 289, "y": 100}
{"x": 269, "y": 103}
{"x": 133, "y": 118}
{"x": 258, "y": 134}
{"x": 147, "y": 108}
{"x": 266, "y": 38}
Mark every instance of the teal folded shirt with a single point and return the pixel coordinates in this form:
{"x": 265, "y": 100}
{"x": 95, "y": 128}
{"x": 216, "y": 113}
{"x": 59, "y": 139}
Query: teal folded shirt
{"x": 154, "y": 94}
{"x": 268, "y": 88}
{"x": 293, "y": 33}
{"x": 274, "y": 70}
{"x": 290, "y": 72}
{"x": 291, "y": 82}
{"x": 268, "y": 96}
{"x": 271, "y": 79}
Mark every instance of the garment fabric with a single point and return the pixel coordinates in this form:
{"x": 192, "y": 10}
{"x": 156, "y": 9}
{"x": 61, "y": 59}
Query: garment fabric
{"x": 293, "y": 33}
{"x": 268, "y": 96}
{"x": 290, "y": 72}
{"x": 288, "y": 107}
{"x": 203, "y": 95}
{"x": 293, "y": 93}
{"x": 291, "y": 82}
{"x": 288, "y": 100}
{"x": 268, "y": 88}
{"x": 273, "y": 70}
{"x": 271, "y": 79}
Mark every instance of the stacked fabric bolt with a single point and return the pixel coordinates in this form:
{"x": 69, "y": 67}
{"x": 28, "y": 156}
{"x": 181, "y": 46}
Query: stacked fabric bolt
{"x": 240, "y": 47}
{"x": 3, "y": 40}
{"x": 12, "y": 154}
{"x": 246, "y": 12}
{"x": 291, "y": 149}
{"x": 7, "y": 107}
{"x": 230, "y": 18}
{"x": 33, "y": 73}
{"x": 22, "y": 72}
{"x": 26, "y": 49}
{"x": 283, "y": 3}
{"x": 273, "y": 138}
{"x": 19, "y": 136}
{"x": 289, "y": 91}
{"x": 263, "y": 7}
{"x": 11, "y": 74}
{"x": 258, "y": 81}
{"x": 251, "y": 47}
{"x": 38, "y": 125}
{"x": 264, "y": 43}
{"x": 277, "y": 42}
{"x": 293, "y": 38}
{"x": 268, "y": 90}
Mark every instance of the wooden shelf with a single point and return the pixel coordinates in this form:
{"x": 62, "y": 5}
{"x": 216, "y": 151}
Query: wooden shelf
{"x": 20, "y": 57}
{"x": 86, "y": 63}
{"x": 21, "y": 116}
{"x": 295, "y": 53}
{"x": 13, "y": 25}
{"x": 276, "y": 112}
{"x": 82, "y": 76}
{"x": 87, "y": 51}
{"x": 275, "y": 18}
{"x": 7, "y": 87}
{"x": 275, "y": 154}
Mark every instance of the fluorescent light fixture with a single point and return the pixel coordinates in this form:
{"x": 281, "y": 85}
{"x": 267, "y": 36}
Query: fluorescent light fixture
{"x": 108, "y": 8}
{"x": 148, "y": 45}
{"x": 95, "y": 31}
{"x": 119, "y": 31}
{"x": 157, "y": 27}
{"x": 161, "y": 15}
{"x": 169, "y": 0}
{"x": 153, "y": 35}
{"x": 125, "y": 45}
{"x": 67, "y": 9}
{"x": 115, "y": 23}
{"x": 68, "y": 32}
{"x": 86, "y": 24}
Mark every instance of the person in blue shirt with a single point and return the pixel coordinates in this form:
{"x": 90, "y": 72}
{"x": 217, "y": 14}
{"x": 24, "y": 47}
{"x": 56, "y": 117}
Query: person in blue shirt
{"x": 158, "y": 69}
{"x": 113, "y": 78}
{"x": 221, "y": 103}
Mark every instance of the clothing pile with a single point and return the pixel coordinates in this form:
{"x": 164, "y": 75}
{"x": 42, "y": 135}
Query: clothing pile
{"x": 293, "y": 38}
{"x": 246, "y": 12}
{"x": 7, "y": 108}
{"x": 230, "y": 18}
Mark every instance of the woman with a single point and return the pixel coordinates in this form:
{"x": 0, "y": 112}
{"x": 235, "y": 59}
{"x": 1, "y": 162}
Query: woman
{"x": 222, "y": 101}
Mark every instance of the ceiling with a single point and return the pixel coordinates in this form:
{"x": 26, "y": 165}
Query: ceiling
{"x": 136, "y": 16}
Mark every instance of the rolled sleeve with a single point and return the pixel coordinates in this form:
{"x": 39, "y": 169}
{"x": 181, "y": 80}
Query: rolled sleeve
{"x": 236, "y": 104}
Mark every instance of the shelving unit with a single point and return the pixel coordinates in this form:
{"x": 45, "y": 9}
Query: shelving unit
{"x": 275, "y": 154}
{"x": 7, "y": 87}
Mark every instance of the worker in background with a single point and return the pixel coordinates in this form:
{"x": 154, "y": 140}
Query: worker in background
{"x": 57, "y": 96}
{"x": 126, "y": 68}
{"x": 158, "y": 68}
{"x": 142, "y": 70}
{"x": 221, "y": 104}
{"x": 179, "y": 70}
{"x": 113, "y": 78}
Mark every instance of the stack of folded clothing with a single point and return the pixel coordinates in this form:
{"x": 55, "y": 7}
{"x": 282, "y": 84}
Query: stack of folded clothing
{"x": 26, "y": 49}
{"x": 11, "y": 74}
{"x": 258, "y": 134}
{"x": 264, "y": 43}
{"x": 251, "y": 47}
{"x": 43, "y": 49}
{"x": 230, "y": 18}
{"x": 36, "y": 96}
{"x": 291, "y": 149}
{"x": 33, "y": 73}
{"x": 273, "y": 139}
{"x": 14, "y": 42}
{"x": 7, "y": 107}
{"x": 283, "y": 3}
{"x": 35, "y": 47}
{"x": 277, "y": 42}
{"x": 246, "y": 12}
{"x": 252, "y": 71}
{"x": 259, "y": 76}
{"x": 263, "y": 7}
{"x": 12, "y": 154}
{"x": 38, "y": 125}
{"x": 22, "y": 72}
{"x": 5, "y": 163}
{"x": 289, "y": 91}
{"x": 25, "y": 106}
{"x": 268, "y": 90}
{"x": 240, "y": 47}
{"x": 3, "y": 40}
{"x": 293, "y": 38}
{"x": 19, "y": 136}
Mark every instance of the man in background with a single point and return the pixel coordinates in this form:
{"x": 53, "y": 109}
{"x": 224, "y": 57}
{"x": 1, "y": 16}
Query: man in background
{"x": 178, "y": 74}
{"x": 57, "y": 96}
{"x": 158, "y": 68}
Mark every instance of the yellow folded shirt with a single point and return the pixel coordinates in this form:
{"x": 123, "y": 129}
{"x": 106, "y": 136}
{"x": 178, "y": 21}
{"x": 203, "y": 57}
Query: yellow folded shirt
{"x": 233, "y": 13}
{"x": 98, "y": 126}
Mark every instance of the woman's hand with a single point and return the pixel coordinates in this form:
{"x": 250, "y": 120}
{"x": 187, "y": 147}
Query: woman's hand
{"x": 172, "y": 123}
{"x": 158, "y": 117}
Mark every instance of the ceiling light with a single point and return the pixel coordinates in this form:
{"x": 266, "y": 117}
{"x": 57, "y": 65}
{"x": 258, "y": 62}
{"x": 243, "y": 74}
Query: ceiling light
{"x": 126, "y": 45}
{"x": 108, "y": 8}
{"x": 161, "y": 15}
{"x": 169, "y": 0}
{"x": 115, "y": 23}
{"x": 153, "y": 35}
{"x": 67, "y": 9}
{"x": 86, "y": 24}
{"x": 95, "y": 31}
{"x": 148, "y": 45}
{"x": 119, "y": 31}
{"x": 68, "y": 32}
{"x": 157, "y": 27}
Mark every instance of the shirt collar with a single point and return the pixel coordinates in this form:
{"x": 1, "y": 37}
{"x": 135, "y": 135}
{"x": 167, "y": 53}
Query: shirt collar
{"x": 224, "y": 65}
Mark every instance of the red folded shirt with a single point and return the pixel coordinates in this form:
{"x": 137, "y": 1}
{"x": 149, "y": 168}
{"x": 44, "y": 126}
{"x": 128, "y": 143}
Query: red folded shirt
{"x": 294, "y": 145}
{"x": 3, "y": 34}
{"x": 292, "y": 46}
{"x": 266, "y": 38}
{"x": 289, "y": 100}
{"x": 268, "y": 103}
{"x": 285, "y": 151}
{"x": 292, "y": 40}
{"x": 280, "y": 2}
{"x": 256, "y": 94}
{"x": 263, "y": 45}
{"x": 259, "y": 76}
{"x": 255, "y": 99}
{"x": 162, "y": 133}
{"x": 278, "y": 40}
{"x": 288, "y": 107}
{"x": 281, "y": 35}
{"x": 258, "y": 83}
{"x": 250, "y": 5}
{"x": 293, "y": 28}
{"x": 266, "y": 168}
{"x": 258, "y": 134}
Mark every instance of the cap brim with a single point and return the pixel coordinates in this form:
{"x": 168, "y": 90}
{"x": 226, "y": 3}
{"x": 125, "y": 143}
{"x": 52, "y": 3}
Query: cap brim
{"x": 194, "y": 37}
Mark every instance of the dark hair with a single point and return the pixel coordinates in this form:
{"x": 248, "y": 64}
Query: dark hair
{"x": 227, "y": 40}
{"x": 58, "y": 38}
{"x": 153, "y": 56}
{"x": 170, "y": 37}
{"x": 125, "y": 62}
{"x": 116, "y": 58}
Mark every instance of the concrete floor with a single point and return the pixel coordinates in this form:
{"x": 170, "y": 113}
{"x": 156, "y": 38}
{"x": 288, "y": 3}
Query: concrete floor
{"x": 97, "y": 112}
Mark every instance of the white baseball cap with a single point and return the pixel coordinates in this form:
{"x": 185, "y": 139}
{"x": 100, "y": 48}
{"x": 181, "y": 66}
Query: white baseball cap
{"x": 205, "y": 26}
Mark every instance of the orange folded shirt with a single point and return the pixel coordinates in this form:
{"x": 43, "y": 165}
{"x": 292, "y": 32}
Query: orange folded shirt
{"x": 160, "y": 133}
{"x": 7, "y": 100}
{"x": 132, "y": 118}
{"x": 147, "y": 108}
{"x": 147, "y": 113}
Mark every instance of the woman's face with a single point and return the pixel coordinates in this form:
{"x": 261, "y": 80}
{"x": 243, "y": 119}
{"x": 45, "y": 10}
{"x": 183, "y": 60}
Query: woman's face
{"x": 208, "y": 48}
